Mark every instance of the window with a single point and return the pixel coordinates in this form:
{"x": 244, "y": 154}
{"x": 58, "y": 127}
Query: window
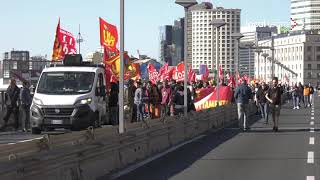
{"x": 309, "y": 48}
{"x": 309, "y": 66}
{"x": 309, "y": 74}
{"x": 318, "y": 48}
{"x": 318, "y": 57}
{"x": 309, "y": 58}
{"x": 318, "y": 66}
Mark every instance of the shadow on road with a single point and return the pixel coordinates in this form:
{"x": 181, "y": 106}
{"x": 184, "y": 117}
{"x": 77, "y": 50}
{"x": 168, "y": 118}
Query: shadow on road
{"x": 181, "y": 159}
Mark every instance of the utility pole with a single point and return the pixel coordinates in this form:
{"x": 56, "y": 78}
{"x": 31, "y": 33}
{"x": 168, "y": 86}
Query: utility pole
{"x": 272, "y": 56}
{"x": 79, "y": 40}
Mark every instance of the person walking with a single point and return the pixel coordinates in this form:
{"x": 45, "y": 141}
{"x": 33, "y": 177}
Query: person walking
{"x": 113, "y": 104}
{"x": 306, "y": 93}
{"x": 311, "y": 94}
{"x": 178, "y": 101}
{"x": 165, "y": 102}
{"x": 295, "y": 97}
{"x": 262, "y": 102}
{"x": 12, "y": 102}
{"x": 242, "y": 95}
{"x": 301, "y": 99}
{"x": 138, "y": 101}
{"x": 274, "y": 97}
{"x": 25, "y": 106}
{"x": 132, "y": 107}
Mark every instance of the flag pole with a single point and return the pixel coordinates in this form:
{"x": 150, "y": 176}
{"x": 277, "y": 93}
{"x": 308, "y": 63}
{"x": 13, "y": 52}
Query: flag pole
{"x": 121, "y": 78}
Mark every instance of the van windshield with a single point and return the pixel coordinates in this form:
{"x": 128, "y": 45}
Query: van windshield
{"x": 69, "y": 83}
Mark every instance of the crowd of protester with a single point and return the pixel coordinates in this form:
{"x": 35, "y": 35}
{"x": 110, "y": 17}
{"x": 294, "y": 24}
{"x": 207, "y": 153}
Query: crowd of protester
{"x": 145, "y": 100}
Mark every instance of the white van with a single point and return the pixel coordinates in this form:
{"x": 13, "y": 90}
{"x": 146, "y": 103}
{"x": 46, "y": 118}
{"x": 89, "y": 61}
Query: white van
{"x": 71, "y": 97}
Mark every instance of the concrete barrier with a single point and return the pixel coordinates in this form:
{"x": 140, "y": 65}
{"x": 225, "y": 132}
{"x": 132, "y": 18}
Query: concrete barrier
{"x": 96, "y": 152}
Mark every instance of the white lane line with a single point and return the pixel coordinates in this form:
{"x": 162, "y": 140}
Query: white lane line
{"x": 310, "y": 178}
{"x": 312, "y": 111}
{"x": 312, "y": 118}
{"x": 310, "y": 157}
{"x": 312, "y": 130}
{"x": 311, "y": 123}
{"x": 28, "y": 140}
{"x": 311, "y": 141}
{"x": 136, "y": 166}
{"x": 312, "y": 114}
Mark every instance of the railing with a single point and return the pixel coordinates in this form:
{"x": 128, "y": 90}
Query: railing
{"x": 94, "y": 153}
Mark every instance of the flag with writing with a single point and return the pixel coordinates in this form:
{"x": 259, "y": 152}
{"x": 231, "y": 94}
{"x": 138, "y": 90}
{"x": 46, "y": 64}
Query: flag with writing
{"x": 153, "y": 74}
{"x": 65, "y": 43}
{"x": 108, "y": 36}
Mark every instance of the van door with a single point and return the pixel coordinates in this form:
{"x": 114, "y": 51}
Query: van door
{"x": 101, "y": 103}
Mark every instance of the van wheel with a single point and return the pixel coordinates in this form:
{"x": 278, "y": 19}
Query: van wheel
{"x": 35, "y": 130}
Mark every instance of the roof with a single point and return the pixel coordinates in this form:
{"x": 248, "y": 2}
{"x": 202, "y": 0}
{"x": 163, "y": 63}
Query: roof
{"x": 71, "y": 68}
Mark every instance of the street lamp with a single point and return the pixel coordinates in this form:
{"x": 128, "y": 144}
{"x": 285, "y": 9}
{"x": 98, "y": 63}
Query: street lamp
{"x": 186, "y": 4}
{"x": 237, "y": 37}
{"x": 249, "y": 47}
{"x": 258, "y": 51}
{"x": 265, "y": 55}
{"x": 121, "y": 77}
{"x": 271, "y": 65}
{"x": 217, "y": 23}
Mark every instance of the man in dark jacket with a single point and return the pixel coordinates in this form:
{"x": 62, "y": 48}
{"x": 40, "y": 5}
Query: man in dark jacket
{"x": 274, "y": 98}
{"x": 242, "y": 95}
{"x": 133, "y": 109}
{"x": 26, "y": 100}
{"x": 12, "y": 100}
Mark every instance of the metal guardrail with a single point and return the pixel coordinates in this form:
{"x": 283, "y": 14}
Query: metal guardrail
{"x": 96, "y": 152}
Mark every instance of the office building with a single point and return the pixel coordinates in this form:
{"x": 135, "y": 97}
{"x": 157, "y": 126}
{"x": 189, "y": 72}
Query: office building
{"x": 306, "y": 13}
{"x": 172, "y": 43}
{"x": 201, "y": 48}
{"x": 19, "y": 65}
{"x": 299, "y": 52}
{"x": 251, "y": 34}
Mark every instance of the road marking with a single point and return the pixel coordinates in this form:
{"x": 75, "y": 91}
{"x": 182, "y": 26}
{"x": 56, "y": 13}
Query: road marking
{"x": 312, "y": 117}
{"x": 312, "y": 114}
{"x": 310, "y": 157}
{"x": 311, "y": 123}
{"x": 310, "y": 178}
{"x": 312, "y": 111}
{"x": 28, "y": 140}
{"x": 311, "y": 141}
{"x": 312, "y": 130}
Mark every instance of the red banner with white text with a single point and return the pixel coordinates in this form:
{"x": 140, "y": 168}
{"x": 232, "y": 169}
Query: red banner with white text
{"x": 207, "y": 98}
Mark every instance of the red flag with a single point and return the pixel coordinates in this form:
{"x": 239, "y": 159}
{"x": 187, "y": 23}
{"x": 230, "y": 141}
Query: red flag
{"x": 178, "y": 73}
{"x": 153, "y": 74}
{"x": 108, "y": 36}
{"x": 206, "y": 74}
{"x": 191, "y": 75}
{"x": 168, "y": 75}
{"x": 64, "y": 43}
{"x": 163, "y": 72}
{"x": 220, "y": 72}
{"x": 232, "y": 81}
{"x": 135, "y": 72}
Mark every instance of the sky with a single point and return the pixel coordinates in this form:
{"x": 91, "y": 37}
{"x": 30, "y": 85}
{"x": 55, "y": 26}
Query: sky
{"x": 31, "y": 24}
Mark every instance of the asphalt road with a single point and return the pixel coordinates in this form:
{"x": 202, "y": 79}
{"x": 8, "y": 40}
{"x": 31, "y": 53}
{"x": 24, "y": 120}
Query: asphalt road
{"x": 291, "y": 154}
